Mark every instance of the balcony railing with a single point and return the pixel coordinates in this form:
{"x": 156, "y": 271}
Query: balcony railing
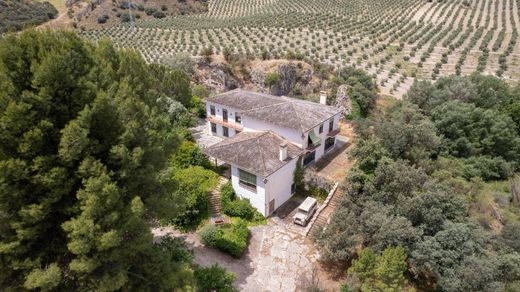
{"x": 227, "y": 124}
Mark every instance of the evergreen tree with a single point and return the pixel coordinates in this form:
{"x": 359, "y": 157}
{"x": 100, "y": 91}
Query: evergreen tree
{"x": 83, "y": 157}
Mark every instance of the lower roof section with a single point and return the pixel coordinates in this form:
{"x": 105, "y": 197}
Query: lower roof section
{"x": 255, "y": 152}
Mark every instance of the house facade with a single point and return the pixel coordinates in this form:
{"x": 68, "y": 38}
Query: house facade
{"x": 256, "y": 127}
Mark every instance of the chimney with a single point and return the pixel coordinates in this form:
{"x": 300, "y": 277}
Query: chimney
{"x": 323, "y": 97}
{"x": 283, "y": 151}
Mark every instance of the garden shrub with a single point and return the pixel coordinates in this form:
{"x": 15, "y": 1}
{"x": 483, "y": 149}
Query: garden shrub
{"x": 236, "y": 207}
{"x": 214, "y": 278}
{"x": 229, "y": 238}
{"x": 208, "y": 234}
{"x": 194, "y": 184}
{"x": 188, "y": 154}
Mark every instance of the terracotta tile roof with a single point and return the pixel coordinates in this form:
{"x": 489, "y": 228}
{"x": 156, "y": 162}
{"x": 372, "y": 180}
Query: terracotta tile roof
{"x": 255, "y": 152}
{"x": 285, "y": 112}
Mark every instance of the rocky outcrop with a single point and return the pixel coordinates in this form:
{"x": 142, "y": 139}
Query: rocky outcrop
{"x": 342, "y": 99}
{"x": 293, "y": 79}
{"x": 217, "y": 77}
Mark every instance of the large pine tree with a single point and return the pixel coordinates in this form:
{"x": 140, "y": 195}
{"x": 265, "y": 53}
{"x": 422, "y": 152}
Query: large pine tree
{"x": 83, "y": 153}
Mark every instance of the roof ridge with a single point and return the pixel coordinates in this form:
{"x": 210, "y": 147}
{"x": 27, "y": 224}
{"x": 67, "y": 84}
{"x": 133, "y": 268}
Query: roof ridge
{"x": 265, "y": 106}
{"x": 239, "y": 141}
{"x": 298, "y": 116}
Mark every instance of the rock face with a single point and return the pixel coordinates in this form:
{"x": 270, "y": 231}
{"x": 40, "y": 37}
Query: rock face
{"x": 292, "y": 80}
{"x": 342, "y": 99}
{"x": 217, "y": 77}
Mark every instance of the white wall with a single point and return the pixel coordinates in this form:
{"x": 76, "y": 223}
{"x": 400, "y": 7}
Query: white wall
{"x": 257, "y": 199}
{"x": 251, "y": 124}
{"x": 218, "y": 114}
{"x": 279, "y": 185}
{"x": 320, "y": 151}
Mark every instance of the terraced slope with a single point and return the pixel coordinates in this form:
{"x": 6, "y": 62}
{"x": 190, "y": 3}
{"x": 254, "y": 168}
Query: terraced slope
{"x": 395, "y": 40}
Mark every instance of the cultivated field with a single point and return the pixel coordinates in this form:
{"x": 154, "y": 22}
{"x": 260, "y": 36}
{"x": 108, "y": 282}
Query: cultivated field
{"x": 396, "y": 40}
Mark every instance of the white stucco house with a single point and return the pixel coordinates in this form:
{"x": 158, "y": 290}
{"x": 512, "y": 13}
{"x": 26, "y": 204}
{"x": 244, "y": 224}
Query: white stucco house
{"x": 265, "y": 137}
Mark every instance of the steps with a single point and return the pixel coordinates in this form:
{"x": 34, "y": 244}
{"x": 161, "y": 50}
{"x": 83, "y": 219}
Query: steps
{"x": 214, "y": 203}
{"x": 324, "y": 216}
{"x": 214, "y": 198}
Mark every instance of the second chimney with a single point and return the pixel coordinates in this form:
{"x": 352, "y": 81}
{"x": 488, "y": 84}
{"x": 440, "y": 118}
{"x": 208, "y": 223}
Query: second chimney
{"x": 323, "y": 97}
{"x": 283, "y": 151}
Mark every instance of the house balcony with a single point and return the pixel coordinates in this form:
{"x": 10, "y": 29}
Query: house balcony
{"x": 312, "y": 146}
{"x": 226, "y": 124}
{"x": 333, "y": 133}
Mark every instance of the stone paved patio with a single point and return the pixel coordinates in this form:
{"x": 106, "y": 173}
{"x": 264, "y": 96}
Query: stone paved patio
{"x": 277, "y": 259}
{"x": 201, "y": 135}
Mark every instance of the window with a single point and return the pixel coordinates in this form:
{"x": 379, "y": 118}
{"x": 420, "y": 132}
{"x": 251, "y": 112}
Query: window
{"x": 247, "y": 179}
{"x": 213, "y": 128}
{"x": 321, "y": 128}
{"x": 309, "y": 158}
{"x": 331, "y": 125}
{"x": 238, "y": 118}
{"x": 212, "y": 110}
{"x": 224, "y": 115}
{"x": 225, "y": 131}
{"x": 329, "y": 143}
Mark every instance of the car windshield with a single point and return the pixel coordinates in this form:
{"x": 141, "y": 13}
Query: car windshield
{"x": 302, "y": 211}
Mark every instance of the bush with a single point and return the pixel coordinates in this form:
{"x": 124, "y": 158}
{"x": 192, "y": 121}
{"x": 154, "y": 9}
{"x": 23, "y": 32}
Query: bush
{"x": 214, "y": 278}
{"x": 188, "y": 154}
{"x": 229, "y": 238}
{"x": 102, "y": 19}
{"x": 486, "y": 167}
{"x": 125, "y": 17}
{"x": 208, "y": 234}
{"x": 150, "y": 10}
{"x": 235, "y": 207}
{"x": 159, "y": 14}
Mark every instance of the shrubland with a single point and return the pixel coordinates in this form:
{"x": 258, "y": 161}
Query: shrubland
{"x": 426, "y": 168}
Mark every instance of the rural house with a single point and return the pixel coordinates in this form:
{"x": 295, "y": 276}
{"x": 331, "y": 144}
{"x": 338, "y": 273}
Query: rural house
{"x": 265, "y": 137}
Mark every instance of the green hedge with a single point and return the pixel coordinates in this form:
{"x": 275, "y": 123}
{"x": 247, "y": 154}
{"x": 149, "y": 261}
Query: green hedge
{"x": 235, "y": 207}
{"x": 230, "y": 238}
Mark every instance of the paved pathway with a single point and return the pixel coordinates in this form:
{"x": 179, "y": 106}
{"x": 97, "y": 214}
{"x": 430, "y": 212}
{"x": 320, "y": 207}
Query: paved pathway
{"x": 277, "y": 259}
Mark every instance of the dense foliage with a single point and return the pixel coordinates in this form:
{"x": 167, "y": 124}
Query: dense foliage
{"x": 362, "y": 90}
{"x": 229, "y": 238}
{"x": 194, "y": 185}
{"x": 383, "y": 272}
{"x": 84, "y": 146}
{"x": 214, "y": 278}
{"x": 419, "y": 167}
{"x": 16, "y": 15}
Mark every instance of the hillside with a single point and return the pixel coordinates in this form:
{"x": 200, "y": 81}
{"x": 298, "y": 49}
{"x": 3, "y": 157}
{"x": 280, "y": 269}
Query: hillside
{"x": 17, "y": 14}
{"x": 100, "y": 14}
{"x": 395, "y": 41}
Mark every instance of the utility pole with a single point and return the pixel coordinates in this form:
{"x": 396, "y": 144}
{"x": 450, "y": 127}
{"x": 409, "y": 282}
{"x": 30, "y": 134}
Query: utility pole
{"x": 132, "y": 22}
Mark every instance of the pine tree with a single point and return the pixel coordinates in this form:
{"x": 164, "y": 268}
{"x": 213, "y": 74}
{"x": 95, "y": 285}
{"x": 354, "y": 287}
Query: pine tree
{"x": 83, "y": 158}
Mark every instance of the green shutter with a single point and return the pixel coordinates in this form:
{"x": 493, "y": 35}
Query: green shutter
{"x": 247, "y": 177}
{"x": 315, "y": 140}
